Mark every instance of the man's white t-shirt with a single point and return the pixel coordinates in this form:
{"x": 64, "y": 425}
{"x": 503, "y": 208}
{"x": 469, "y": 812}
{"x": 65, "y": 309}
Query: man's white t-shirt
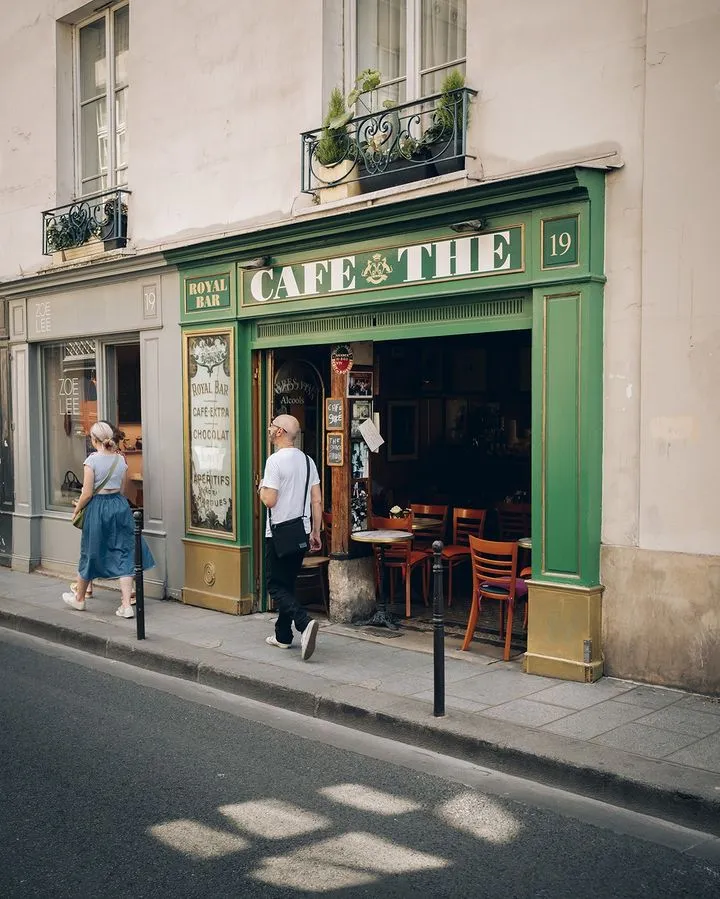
{"x": 286, "y": 472}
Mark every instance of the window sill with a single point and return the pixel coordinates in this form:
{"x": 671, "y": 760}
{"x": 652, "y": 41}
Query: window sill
{"x": 453, "y": 180}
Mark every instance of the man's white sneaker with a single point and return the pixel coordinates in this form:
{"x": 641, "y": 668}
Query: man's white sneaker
{"x": 308, "y": 639}
{"x": 71, "y": 600}
{"x": 124, "y": 612}
{"x": 273, "y": 641}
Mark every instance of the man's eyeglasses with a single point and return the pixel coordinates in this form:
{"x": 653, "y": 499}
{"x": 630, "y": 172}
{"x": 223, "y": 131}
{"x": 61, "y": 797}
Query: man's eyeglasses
{"x": 273, "y": 425}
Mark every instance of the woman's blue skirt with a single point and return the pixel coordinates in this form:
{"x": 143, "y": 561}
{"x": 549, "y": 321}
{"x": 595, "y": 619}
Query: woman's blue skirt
{"x": 107, "y": 545}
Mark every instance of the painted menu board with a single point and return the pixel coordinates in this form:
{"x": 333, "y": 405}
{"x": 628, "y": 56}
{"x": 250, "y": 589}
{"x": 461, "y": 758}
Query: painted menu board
{"x": 208, "y": 359}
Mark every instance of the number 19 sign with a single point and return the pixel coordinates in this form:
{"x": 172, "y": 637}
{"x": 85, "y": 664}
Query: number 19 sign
{"x": 560, "y": 242}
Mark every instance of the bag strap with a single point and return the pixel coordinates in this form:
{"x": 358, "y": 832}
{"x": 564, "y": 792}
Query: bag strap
{"x": 107, "y": 476}
{"x": 305, "y": 493}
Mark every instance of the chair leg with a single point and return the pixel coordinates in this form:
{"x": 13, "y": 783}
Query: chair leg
{"x": 450, "y": 571}
{"x": 472, "y": 621}
{"x": 508, "y": 636}
{"x": 426, "y": 580}
{"x": 500, "y": 619}
{"x": 408, "y": 592}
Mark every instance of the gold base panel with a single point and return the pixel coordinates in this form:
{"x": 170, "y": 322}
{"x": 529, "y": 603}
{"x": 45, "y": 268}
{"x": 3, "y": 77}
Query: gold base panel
{"x": 564, "y": 632}
{"x": 217, "y": 577}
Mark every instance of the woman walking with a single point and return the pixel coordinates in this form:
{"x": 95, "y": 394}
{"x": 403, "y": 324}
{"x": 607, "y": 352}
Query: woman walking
{"x": 107, "y": 546}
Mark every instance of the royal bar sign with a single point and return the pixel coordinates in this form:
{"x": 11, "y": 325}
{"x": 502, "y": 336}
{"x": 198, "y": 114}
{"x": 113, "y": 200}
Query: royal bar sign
{"x": 491, "y": 253}
{"x": 212, "y": 292}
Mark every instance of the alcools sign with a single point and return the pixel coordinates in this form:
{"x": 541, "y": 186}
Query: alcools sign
{"x": 491, "y": 253}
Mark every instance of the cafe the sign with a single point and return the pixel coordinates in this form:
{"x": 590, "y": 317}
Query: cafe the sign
{"x": 209, "y": 432}
{"x": 495, "y": 252}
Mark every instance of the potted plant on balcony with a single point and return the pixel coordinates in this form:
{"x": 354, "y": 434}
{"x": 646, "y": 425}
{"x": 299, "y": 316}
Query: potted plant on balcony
{"x": 72, "y": 236}
{"x": 114, "y": 226}
{"x": 442, "y": 142}
{"x": 334, "y": 154}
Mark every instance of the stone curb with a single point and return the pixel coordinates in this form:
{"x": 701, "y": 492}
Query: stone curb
{"x": 671, "y": 791}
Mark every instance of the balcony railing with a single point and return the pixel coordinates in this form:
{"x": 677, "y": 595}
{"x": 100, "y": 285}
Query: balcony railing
{"x": 96, "y": 218}
{"x": 392, "y": 146}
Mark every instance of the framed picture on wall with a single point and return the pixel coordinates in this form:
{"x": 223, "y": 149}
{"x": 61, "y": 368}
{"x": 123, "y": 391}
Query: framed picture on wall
{"x": 359, "y": 459}
{"x": 402, "y": 430}
{"x": 360, "y": 384}
{"x": 361, "y": 410}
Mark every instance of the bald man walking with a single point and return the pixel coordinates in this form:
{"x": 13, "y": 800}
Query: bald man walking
{"x": 283, "y": 490}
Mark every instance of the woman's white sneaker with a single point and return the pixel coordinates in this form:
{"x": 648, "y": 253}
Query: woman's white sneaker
{"x": 124, "y": 612}
{"x": 71, "y": 600}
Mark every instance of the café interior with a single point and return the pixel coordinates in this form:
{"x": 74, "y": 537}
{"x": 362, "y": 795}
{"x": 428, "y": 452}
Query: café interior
{"x": 454, "y": 413}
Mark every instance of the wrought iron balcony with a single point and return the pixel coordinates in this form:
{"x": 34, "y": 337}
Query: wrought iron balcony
{"x": 391, "y": 146}
{"x": 97, "y": 219}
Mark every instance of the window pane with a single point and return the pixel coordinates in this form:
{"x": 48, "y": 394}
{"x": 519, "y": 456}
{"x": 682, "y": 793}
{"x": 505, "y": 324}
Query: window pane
{"x": 121, "y": 128}
{"x": 432, "y": 82}
{"x": 122, "y": 45}
{"x": 93, "y": 64}
{"x": 94, "y": 139}
{"x": 70, "y": 399}
{"x": 443, "y": 28}
{"x": 381, "y": 26}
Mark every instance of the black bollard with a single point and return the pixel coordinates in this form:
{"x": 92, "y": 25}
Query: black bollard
{"x": 139, "y": 587}
{"x": 438, "y": 632}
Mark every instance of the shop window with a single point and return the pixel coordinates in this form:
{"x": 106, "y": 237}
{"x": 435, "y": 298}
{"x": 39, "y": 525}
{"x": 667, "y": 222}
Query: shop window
{"x": 70, "y": 409}
{"x": 102, "y": 47}
{"x": 412, "y": 43}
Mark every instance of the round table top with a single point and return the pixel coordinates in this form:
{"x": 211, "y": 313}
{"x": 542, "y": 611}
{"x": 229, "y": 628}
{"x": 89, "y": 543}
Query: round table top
{"x": 380, "y": 536}
{"x": 420, "y": 523}
{"x": 525, "y": 542}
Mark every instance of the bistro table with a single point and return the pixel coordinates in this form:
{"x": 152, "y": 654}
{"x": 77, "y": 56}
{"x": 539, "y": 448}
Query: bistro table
{"x": 525, "y": 543}
{"x": 420, "y": 523}
{"x": 381, "y": 538}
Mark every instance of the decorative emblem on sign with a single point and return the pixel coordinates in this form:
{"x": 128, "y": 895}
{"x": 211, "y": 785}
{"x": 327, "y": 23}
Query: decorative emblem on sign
{"x": 209, "y": 354}
{"x": 341, "y": 358}
{"x": 377, "y": 269}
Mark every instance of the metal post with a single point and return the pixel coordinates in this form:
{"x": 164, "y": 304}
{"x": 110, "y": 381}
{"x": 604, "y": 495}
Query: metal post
{"x": 438, "y": 632}
{"x": 139, "y": 587}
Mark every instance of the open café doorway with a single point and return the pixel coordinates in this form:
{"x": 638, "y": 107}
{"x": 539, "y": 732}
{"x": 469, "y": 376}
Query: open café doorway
{"x": 455, "y": 413}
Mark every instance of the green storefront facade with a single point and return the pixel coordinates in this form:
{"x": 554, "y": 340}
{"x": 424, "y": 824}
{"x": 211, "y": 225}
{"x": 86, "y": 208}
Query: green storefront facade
{"x": 525, "y": 253}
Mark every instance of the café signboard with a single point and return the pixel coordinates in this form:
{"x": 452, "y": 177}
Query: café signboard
{"x": 209, "y": 432}
{"x": 476, "y": 255}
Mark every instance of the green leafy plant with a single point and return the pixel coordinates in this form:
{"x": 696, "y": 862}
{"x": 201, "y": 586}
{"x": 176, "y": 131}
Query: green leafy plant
{"x": 333, "y": 144}
{"x": 447, "y": 108}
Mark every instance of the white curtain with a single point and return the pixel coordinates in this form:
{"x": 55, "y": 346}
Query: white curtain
{"x": 443, "y": 29}
{"x": 381, "y": 42}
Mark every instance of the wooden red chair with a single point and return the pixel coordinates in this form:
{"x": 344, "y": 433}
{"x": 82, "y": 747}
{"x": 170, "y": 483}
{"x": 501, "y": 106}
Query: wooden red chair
{"x": 424, "y": 537}
{"x": 494, "y": 571}
{"x": 400, "y": 556}
{"x": 513, "y": 520}
{"x": 466, "y": 523}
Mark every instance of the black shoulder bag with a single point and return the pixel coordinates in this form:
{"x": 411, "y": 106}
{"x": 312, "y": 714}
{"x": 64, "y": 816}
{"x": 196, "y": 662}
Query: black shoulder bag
{"x": 289, "y": 536}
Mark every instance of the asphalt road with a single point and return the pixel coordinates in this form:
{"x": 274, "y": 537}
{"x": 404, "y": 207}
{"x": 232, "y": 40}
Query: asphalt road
{"x": 117, "y": 782}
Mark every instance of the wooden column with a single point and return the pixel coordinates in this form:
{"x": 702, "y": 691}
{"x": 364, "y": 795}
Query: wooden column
{"x": 341, "y": 474}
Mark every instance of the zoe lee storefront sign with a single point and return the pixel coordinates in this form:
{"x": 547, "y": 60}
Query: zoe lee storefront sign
{"x": 460, "y": 257}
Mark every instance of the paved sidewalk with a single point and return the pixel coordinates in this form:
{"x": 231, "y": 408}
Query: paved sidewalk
{"x": 647, "y": 747}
